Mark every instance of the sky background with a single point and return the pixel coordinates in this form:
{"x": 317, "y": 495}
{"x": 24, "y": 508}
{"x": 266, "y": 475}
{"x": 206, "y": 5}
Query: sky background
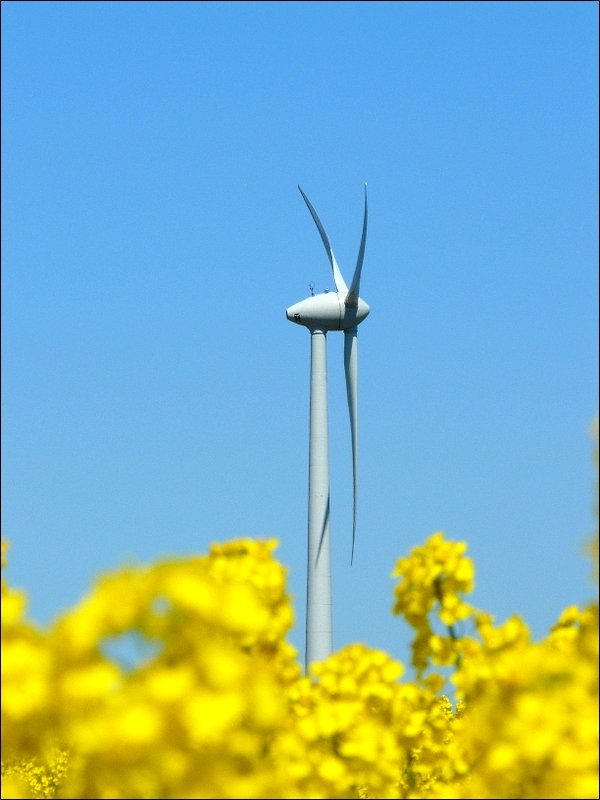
{"x": 155, "y": 399}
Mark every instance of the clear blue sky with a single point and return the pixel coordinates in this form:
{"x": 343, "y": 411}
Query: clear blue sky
{"x": 155, "y": 399}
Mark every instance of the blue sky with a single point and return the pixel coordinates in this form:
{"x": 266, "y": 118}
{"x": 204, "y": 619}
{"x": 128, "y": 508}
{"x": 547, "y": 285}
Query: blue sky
{"x": 155, "y": 399}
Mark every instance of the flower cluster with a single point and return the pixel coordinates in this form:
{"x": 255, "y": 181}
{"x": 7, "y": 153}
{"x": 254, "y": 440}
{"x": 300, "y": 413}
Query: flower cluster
{"x": 34, "y": 778}
{"x": 193, "y": 712}
{"x": 176, "y": 680}
{"x": 353, "y": 728}
{"x": 527, "y": 726}
{"x": 531, "y": 723}
{"x": 433, "y": 580}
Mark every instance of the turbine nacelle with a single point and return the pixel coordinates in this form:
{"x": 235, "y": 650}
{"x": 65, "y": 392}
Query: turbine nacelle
{"x": 328, "y": 312}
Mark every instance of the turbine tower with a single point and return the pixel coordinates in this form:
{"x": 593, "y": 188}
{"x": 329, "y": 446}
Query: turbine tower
{"x": 342, "y": 310}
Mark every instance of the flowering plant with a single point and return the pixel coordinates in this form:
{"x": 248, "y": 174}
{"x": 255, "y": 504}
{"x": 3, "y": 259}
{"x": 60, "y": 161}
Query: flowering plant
{"x": 214, "y": 704}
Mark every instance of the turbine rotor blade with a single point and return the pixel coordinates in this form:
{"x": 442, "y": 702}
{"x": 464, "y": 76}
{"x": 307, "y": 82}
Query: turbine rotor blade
{"x": 351, "y": 370}
{"x": 340, "y": 283}
{"x": 352, "y": 296}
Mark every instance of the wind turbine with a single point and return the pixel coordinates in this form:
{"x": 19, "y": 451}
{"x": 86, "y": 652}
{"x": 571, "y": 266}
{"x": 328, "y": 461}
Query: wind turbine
{"x": 342, "y": 310}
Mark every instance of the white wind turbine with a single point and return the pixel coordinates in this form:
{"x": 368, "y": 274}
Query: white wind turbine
{"x": 342, "y": 310}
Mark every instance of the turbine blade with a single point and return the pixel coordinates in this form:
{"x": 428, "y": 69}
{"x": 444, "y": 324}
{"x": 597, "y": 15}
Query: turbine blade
{"x": 340, "y": 283}
{"x": 351, "y": 369}
{"x": 352, "y": 296}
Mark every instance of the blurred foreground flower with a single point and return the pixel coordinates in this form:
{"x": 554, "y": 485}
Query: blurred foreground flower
{"x": 176, "y": 680}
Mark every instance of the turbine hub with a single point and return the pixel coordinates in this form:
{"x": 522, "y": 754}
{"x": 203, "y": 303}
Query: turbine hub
{"x": 327, "y": 312}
